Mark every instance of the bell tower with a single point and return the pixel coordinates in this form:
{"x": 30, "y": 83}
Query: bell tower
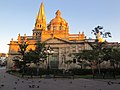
{"x": 40, "y": 24}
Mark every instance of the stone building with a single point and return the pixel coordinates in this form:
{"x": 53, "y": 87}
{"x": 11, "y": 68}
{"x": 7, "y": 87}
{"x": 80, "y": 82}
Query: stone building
{"x": 56, "y": 35}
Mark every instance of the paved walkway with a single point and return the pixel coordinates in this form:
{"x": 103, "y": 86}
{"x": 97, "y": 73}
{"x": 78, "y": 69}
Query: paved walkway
{"x": 9, "y": 82}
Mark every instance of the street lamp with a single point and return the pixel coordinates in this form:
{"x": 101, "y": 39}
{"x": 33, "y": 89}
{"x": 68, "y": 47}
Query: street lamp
{"x": 48, "y": 51}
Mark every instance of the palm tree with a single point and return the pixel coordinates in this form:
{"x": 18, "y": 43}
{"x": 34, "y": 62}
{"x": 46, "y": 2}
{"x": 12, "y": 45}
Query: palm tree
{"x": 99, "y": 42}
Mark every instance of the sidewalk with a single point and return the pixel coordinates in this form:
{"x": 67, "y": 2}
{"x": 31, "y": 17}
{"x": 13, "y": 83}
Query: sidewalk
{"x": 9, "y": 82}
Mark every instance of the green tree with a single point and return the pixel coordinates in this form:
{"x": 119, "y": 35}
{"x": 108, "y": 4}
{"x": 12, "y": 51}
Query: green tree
{"x": 23, "y": 46}
{"x": 97, "y": 49}
{"x": 36, "y": 55}
{"x": 40, "y": 51}
{"x": 88, "y": 55}
{"x": 30, "y": 56}
{"x": 113, "y": 54}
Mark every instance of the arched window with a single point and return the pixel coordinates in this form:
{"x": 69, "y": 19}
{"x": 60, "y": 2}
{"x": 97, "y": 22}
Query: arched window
{"x": 60, "y": 27}
{"x": 40, "y": 26}
{"x": 54, "y": 28}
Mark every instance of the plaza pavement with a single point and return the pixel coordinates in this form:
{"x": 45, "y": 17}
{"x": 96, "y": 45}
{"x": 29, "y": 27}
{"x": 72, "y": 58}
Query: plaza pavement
{"x": 10, "y": 82}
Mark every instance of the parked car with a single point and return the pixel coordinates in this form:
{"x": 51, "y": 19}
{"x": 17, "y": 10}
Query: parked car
{"x": 3, "y": 62}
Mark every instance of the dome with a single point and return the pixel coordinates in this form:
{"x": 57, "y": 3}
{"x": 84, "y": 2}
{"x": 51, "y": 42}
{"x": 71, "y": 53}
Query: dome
{"x": 58, "y": 21}
{"x": 58, "y": 18}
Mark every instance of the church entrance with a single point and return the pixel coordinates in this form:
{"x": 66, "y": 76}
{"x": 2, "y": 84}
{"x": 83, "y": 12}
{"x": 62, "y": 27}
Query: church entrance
{"x": 54, "y": 59}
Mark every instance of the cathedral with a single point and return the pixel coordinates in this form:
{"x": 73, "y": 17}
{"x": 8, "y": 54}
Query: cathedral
{"x": 56, "y": 35}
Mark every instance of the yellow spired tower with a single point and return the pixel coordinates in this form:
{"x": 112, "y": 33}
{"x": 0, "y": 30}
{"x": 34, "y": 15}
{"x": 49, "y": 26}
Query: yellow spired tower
{"x": 40, "y": 24}
{"x": 58, "y": 27}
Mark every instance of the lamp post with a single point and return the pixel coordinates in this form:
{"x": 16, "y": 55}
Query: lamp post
{"x": 48, "y": 51}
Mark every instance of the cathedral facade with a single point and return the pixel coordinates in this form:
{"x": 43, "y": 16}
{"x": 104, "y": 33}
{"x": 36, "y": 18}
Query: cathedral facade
{"x": 56, "y": 35}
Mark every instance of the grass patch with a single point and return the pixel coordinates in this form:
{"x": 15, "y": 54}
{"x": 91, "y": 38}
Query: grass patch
{"x": 15, "y": 73}
{"x": 85, "y": 76}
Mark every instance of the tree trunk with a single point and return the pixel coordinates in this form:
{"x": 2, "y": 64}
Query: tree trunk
{"x": 99, "y": 69}
{"x": 92, "y": 68}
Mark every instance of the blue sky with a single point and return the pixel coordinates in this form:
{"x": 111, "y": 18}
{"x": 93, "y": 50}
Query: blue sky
{"x": 18, "y": 16}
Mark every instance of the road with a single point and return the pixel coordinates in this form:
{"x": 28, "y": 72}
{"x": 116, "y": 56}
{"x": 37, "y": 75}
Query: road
{"x": 10, "y": 82}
